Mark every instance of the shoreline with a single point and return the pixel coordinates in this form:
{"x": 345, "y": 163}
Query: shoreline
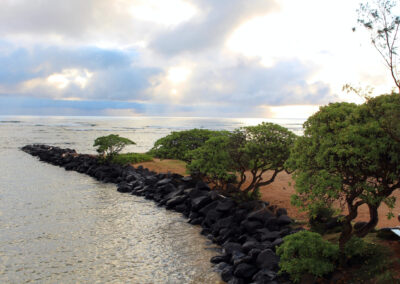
{"x": 248, "y": 232}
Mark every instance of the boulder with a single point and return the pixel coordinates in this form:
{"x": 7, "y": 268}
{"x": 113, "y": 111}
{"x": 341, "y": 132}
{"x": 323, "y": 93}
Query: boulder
{"x": 251, "y": 226}
{"x": 204, "y": 211}
{"x": 163, "y": 182}
{"x": 187, "y": 179}
{"x": 264, "y": 275}
{"x": 199, "y": 202}
{"x": 284, "y": 220}
{"x": 249, "y": 245}
{"x": 253, "y": 254}
{"x": 230, "y": 247}
{"x": 211, "y": 217}
{"x": 219, "y": 258}
{"x": 222, "y": 265}
{"x": 196, "y": 221}
{"x": 280, "y": 212}
{"x": 180, "y": 207}
{"x": 223, "y": 223}
{"x": 150, "y": 180}
{"x": 227, "y": 273}
{"x": 245, "y": 270}
{"x": 266, "y": 235}
{"x": 201, "y": 185}
{"x": 192, "y": 193}
{"x": 175, "y": 201}
{"x": 235, "y": 280}
{"x": 267, "y": 259}
{"x": 226, "y": 205}
{"x": 124, "y": 187}
{"x": 261, "y": 215}
{"x": 277, "y": 242}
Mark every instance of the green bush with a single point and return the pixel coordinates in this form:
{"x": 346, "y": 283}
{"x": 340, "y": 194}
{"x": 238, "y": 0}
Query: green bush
{"x": 177, "y": 145}
{"x": 357, "y": 248}
{"x": 373, "y": 261}
{"x": 131, "y": 158}
{"x": 307, "y": 253}
{"x": 110, "y": 145}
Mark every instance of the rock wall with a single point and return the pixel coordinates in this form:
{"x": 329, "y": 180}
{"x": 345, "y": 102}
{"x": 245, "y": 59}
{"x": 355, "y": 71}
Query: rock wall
{"x": 248, "y": 232}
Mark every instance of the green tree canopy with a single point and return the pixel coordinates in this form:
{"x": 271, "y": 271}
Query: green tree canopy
{"x": 345, "y": 155}
{"x": 252, "y": 149}
{"x": 110, "y": 145}
{"x": 178, "y": 144}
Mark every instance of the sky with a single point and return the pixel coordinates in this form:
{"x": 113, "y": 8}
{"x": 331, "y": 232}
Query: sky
{"x": 208, "y": 58}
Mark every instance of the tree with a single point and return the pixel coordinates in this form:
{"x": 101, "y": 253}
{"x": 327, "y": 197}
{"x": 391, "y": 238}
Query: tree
{"x": 178, "y": 144}
{"x": 346, "y": 156}
{"x": 213, "y": 163}
{"x": 386, "y": 110}
{"x": 110, "y": 145}
{"x": 246, "y": 153}
{"x": 378, "y": 18}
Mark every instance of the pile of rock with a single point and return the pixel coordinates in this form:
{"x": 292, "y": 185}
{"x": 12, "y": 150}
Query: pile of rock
{"x": 248, "y": 232}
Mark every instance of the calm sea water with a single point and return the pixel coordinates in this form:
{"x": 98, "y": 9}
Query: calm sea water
{"x": 65, "y": 227}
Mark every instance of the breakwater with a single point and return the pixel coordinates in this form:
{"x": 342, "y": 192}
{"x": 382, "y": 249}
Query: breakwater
{"x": 248, "y": 232}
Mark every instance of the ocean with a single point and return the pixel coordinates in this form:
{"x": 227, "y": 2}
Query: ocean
{"x": 65, "y": 227}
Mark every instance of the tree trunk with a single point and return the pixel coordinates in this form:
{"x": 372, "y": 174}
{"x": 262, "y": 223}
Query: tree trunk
{"x": 373, "y": 221}
{"x": 345, "y": 236}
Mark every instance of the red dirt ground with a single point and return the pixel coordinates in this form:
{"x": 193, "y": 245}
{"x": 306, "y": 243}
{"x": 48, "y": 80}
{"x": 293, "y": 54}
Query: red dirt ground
{"x": 278, "y": 193}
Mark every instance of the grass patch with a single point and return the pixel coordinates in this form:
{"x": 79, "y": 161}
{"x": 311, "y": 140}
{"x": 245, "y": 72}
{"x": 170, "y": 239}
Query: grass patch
{"x": 131, "y": 158}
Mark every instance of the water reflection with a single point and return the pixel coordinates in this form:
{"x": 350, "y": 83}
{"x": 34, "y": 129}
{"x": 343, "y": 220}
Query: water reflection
{"x": 59, "y": 226}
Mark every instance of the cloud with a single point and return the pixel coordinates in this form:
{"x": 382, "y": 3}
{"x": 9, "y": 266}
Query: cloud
{"x": 86, "y": 72}
{"x": 84, "y": 55}
{"x": 19, "y": 64}
{"x": 211, "y": 27}
{"x": 23, "y": 105}
{"x": 245, "y": 82}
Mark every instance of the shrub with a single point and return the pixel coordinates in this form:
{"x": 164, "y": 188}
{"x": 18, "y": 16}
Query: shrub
{"x": 110, "y": 145}
{"x": 307, "y": 253}
{"x": 131, "y": 158}
{"x": 345, "y": 155}
{"x": 373, "y": 261}
{"x": 177, "y": 145}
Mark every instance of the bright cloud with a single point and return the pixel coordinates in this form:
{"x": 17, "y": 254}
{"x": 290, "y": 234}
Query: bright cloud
{"x": 178, "y": 74}
{"x": 67, "y": 76}
{"x": 168, "y": 13}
